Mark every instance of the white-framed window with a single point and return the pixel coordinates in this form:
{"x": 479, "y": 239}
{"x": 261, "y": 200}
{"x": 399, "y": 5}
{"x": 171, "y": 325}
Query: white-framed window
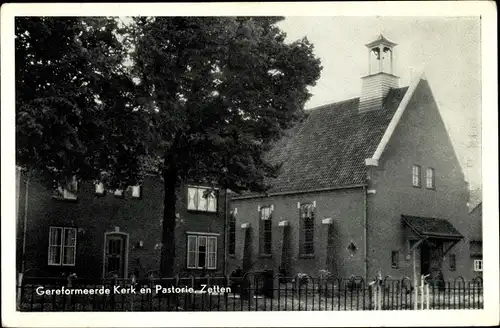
{"x": 67, "y": 192}
{"x": 416, "y": 176}
{"x": 201, "y": 252}
{"x": 306, "y": 229}
{"x": 136, "y": 191}
{"x": 62, "y": 246}
{"x": 265, "y": 229}
{"x": 99, "y": 188}
{"x": 202, "y": 199}
{"x": 478, "y": 265}
{"x": 429, "y": 178}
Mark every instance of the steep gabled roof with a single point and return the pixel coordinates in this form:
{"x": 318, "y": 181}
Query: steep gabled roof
{"x": 328, "y": 149}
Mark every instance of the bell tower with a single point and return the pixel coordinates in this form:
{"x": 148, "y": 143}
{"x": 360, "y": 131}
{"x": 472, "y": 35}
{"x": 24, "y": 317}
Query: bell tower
{"x": 380, "y": 78}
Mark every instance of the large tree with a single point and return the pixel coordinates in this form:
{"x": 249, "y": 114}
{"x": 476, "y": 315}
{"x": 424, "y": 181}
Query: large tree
{"x": 75, "y": 100}
{"x": 217, "y": 91}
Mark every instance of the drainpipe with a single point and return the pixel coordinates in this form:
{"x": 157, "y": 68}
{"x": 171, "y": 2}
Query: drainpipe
{"x": 25, "y": 220}
{"x": 365, "y": 232}
{"x": 225, "y": 232}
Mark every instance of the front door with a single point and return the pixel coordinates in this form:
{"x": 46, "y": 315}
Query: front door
{"x": 430, "y": 259}
{"x": 115, "y": 255}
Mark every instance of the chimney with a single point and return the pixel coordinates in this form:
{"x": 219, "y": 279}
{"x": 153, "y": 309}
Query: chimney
{"x": 380, "y": 78}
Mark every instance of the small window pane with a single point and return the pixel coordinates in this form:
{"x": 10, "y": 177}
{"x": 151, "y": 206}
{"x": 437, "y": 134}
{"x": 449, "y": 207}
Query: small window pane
{"x": 202, "y": 201}
{"x": 416, "y": 176}
{"x": 211, "y": 203}
{"x": 192, "y": 194}
{"x": 70, "y": 237}
{"x": 69, "y": 255}
{"x": 55, "y": 236}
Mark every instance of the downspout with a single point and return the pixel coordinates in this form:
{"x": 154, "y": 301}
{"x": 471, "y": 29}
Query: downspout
{"x": 25, "y": 221}
{"x": 365, "y": 232}
{"x": 225, "y": 232}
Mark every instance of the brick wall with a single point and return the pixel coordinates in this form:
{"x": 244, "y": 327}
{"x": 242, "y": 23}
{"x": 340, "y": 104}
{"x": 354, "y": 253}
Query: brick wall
{"x": 346, "y": 209}
{"x": 420, "y": 138}
{"x": 93, "y": 216}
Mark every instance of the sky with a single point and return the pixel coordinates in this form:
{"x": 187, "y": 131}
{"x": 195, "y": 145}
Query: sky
{"x": 447, "y": 49}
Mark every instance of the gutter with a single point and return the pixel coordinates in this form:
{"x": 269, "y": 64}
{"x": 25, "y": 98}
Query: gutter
{"x": 365, "y": 231}
{"x": 295, "y": 192}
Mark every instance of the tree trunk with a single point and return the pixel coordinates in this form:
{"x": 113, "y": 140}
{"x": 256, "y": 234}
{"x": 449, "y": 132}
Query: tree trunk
{"x": 168, "y": 232}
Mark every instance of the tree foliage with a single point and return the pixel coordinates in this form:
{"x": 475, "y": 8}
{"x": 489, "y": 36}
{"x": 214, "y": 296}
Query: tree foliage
{"x": 202, "y": 97}
{"x": 217, "y": 91}
{"x": 74, "y": 100}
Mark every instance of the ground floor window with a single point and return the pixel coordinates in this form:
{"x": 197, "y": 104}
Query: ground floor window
{"x": 395, "y": 259}
{"x": 201, "y": 251}
{"x": 62, "y": 246}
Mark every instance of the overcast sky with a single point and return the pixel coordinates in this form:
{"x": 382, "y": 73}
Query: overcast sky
{"x": 447, "y": 49}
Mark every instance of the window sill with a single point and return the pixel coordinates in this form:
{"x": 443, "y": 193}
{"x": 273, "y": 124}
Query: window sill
{"x": 201, "y": 212}
{"x": 307, "y": 256}
{"x": 66, "y": 200}
{"x": 265, "y": 256}
{"x": 420, "y": 187}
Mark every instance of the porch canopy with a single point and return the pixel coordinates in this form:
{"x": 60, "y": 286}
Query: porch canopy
{"x": 439, "y": 231}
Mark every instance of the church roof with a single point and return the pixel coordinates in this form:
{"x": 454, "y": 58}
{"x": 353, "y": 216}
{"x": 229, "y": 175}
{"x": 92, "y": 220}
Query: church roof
{"x": 329, "y": 147}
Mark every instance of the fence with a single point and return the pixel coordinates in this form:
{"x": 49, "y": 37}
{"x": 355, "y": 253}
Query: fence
{"x": 252, "y": 292}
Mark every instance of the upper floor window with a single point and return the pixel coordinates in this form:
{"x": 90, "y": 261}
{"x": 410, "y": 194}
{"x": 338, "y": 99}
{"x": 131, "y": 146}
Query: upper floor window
{"x": 232, "y": 234}
{"x": 201, "y": 252}
{"x": 416, "y": 176}
{"x": 62, "y": 246}
{"x": 429, "y": 178}
{"x": 67, "y": 192}
{"x": 307, "y": 229}
{"x": 265, "y": 235}
{"x": 202, "y": 199}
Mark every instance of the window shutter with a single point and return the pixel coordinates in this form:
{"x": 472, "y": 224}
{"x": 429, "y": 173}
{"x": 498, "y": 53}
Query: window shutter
{"x": 211, "y": 202}
{"x": 55, "y": 245}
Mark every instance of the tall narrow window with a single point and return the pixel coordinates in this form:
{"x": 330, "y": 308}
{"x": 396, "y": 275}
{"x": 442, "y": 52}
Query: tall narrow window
{"x": 307, "y": 229}
{"x": 62, "y": 246}
{"x": 453, "y": 262}
{"x": 232, "y": 234}
{"x": 265, "y": 230}
{"x": 429, "y": 178}
{"x": 201, "y": 252}
{"x": 395, "y": 259}
{"x": 416, "y": 176}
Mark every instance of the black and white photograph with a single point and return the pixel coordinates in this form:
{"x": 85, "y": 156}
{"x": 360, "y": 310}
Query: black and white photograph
{"x": 186, "y": 160}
